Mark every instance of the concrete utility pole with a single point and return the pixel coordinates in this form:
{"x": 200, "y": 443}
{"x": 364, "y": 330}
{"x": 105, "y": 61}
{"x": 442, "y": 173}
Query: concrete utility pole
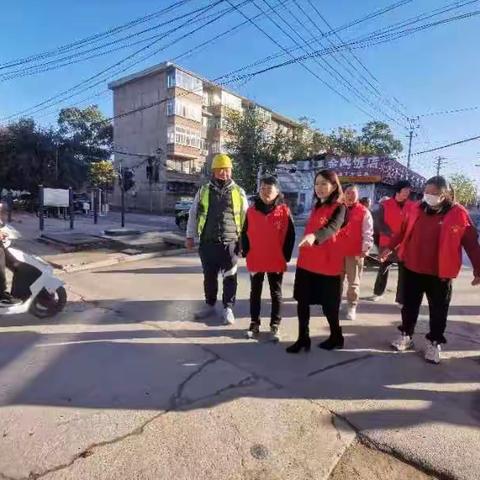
{"x": 440, "y": 163}
{"x": 413, "y": 126}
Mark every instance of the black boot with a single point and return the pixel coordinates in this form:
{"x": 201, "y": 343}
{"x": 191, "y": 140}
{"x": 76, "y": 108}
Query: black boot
{"x": 303, "y": 330}
{"x": 303, "y": 340}
{"x": 332, "y": 342}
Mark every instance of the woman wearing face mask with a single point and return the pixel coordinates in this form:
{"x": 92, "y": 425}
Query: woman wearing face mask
{"x": 430, "y": 245}
{"x": 320, "y": 263}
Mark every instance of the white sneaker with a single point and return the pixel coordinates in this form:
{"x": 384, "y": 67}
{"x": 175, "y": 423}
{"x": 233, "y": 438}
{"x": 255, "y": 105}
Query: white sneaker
{"x": 351, "y": 313}
{"x": 274, "y": 334}
{"x": 402, "y": 343}
{"x": 228, "y": 316}
{"x": 205, "y": 312}
{"x": 432, "y": 352}
{"x": 375, "y": 298}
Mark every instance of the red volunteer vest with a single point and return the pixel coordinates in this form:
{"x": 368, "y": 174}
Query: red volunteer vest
{"x": 350, "y": 238}
{"x": 394, "y": 217}
{"x": 327, "y": 258}
{"x": 266, "y": 234}
{"x": 450, "y": 247}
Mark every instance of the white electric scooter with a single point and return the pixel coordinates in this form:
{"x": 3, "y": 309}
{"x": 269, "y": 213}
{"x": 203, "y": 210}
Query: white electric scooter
{"x": 42, "y": 294}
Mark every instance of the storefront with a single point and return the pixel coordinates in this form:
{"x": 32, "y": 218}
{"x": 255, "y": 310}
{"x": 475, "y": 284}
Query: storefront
{"x": 374, "y": 176}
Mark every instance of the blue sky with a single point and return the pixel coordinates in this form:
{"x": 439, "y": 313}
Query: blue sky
{"x": 433, "y": 70}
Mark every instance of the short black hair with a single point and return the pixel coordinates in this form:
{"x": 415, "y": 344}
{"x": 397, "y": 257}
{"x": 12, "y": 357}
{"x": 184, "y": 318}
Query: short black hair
{"x": 400, "y": 185}
{"x": 269, "y": 180}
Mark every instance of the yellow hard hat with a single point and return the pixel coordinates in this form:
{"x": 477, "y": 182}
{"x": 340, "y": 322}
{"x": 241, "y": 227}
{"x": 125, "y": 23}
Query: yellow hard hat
{"x": 221, "y": 160}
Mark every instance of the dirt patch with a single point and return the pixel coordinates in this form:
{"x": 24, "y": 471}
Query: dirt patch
{"x": 362, "y": 463}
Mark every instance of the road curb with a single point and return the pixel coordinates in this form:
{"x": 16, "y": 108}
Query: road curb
{"x": 117, "y": 260}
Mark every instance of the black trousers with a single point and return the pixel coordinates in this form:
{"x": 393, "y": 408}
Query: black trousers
{"x": 439, "y": 295}
{"x": 216, "y": 258}
{"x": 382, "y": 279}
{"x": 256, "y": 286}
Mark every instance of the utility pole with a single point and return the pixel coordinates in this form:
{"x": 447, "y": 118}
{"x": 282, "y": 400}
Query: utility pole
{"x": 413, "y": 126}
{"x": 440, "y": 163}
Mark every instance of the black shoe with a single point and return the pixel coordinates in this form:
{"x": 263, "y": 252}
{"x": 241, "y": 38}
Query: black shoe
{"x": 302, "y": 342}
{"x": 332, "y": 343}
{"x": 6, "y": 298}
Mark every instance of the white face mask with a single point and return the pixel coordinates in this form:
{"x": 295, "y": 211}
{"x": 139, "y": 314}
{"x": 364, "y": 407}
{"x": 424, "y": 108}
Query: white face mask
{"x": 432, "y": 200}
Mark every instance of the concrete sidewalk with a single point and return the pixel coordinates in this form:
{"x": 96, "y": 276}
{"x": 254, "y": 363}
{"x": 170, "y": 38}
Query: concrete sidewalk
{"x": 124, "y": 384}
{"x": 102, "y": 255}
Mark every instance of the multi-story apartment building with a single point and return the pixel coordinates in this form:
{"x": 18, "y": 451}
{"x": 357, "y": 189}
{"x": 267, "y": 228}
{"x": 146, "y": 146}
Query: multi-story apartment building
{"x": 177, "y": 116}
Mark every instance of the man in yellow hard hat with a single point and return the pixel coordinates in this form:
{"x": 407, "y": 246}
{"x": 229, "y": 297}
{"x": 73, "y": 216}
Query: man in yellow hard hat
{"x": 216, "y": 217}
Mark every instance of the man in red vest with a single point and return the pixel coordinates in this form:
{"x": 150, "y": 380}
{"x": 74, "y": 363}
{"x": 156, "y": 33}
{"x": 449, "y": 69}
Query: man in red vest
{"x": 391, "y": 215}
{"x": 268, "y": 237}
{"x": 356, "y": 239}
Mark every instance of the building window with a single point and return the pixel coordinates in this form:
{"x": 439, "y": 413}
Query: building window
{"x": 177, "y": 78}
{"x": 231, "y": 101}
{"x": 170, "y": 107}
{"x": 184, "y": 136}
{"x": 184, "y": 109}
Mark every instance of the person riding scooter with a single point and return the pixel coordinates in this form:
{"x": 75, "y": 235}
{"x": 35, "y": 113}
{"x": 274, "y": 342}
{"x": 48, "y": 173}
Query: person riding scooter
{"x": 5, "y": 261}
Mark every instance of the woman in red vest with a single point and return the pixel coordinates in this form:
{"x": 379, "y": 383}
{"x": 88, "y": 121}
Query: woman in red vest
{"x": 268, "y": 238}
{"x": 320, "y": 263}
{"x": 430, "y": 245}
{"x": 390, "y": 216}
{"x": 356, "y": 240}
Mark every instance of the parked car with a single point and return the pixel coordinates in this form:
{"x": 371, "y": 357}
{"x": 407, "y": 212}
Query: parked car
{"x": 81, "y": 203}
{"x": 183, "y": 205}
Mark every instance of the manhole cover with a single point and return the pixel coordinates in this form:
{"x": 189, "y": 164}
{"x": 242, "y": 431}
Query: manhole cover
{"x": 260, "y": 452}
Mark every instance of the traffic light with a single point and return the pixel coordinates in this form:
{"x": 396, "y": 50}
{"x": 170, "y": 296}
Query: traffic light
{"x": 153, "y": 170}
{"x": 128, "y": 181}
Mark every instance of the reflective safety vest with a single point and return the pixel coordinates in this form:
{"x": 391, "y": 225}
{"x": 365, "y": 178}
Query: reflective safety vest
{"x": 203, "y": 204}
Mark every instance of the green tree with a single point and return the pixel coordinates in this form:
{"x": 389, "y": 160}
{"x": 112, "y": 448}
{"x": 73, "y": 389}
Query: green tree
{"x": 249, "y": 143}
{"x": 27, "y": 156}
{"x": 102, "y": 174}
{"x": 377, "y": 139}
{"x": 465, "y": 189}
{"x": 84, "y": 137}
{"x": 306, "y": 141}
{"x": 31, "y": 155}
{"x": 86, "y": 131}
{"x": 345, "y": 141}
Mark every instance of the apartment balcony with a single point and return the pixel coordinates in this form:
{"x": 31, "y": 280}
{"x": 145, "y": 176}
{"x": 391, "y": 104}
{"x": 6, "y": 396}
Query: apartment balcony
{"x": 183, "y": 152}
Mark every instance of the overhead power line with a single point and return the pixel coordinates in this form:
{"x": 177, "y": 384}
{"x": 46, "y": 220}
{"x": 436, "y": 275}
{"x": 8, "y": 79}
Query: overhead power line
{"x": 36, "y": 108}
{"x": 448, "y": 145}
{"x": 353, "y": 44}
{"x": 447, "y": 112}
{"x": 213, "y": 39}
{"x": 363, "y": 43}
{"x": 396, "y": 105}
{"x": 367, "y": 89}
{"x": 93, "y": 38}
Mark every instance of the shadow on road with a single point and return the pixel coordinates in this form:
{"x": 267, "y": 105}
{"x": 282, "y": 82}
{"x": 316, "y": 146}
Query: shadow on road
{"x": 142, "y": 367}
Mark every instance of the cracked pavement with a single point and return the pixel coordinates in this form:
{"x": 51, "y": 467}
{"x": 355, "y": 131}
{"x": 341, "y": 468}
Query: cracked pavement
{"x": 124, "y": 384}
